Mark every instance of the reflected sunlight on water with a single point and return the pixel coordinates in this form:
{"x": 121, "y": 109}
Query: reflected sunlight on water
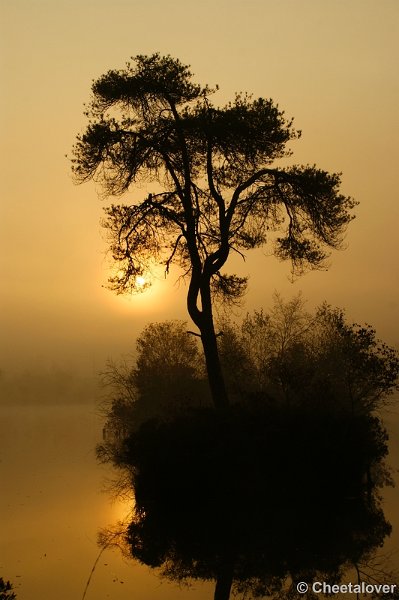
{"x": 52, "y": 507}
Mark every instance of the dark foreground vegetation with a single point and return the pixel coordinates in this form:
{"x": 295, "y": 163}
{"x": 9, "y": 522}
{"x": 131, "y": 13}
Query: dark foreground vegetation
{"x": 282, "y": 487}
{"x": 6, "y": 592}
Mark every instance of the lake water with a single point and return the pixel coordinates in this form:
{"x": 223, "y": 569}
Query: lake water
{"x": 52, "y": 506}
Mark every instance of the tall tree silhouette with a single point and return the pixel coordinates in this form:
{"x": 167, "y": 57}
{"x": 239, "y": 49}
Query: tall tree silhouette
{"x": 216, "y": 187}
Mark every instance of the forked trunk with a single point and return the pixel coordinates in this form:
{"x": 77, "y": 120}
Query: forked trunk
{"x": 203, "y": 318}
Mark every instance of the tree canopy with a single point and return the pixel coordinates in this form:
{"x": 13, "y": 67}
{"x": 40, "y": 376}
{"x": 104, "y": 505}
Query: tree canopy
{"x": 320, "y": 360}
{"x": 216, "y": 187}
{"x": 285, "y": 357}
{"x": 166, "y": 377}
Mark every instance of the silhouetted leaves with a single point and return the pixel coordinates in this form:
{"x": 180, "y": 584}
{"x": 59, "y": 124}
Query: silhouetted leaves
{"x": 6, "y": 592}
{"x": 317, "y": 361}
{"x": 150, "y": 122}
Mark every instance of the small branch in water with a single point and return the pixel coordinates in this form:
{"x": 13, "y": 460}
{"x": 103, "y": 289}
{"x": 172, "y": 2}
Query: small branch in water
{"x": 92, "y": 571}
{"x": 104, "y": 547}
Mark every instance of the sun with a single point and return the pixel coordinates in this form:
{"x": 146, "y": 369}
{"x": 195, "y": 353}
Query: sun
{"x": 141, "y": 282}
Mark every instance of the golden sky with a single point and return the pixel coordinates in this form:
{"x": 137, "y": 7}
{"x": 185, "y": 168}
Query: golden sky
{"x": 330, "y": 64}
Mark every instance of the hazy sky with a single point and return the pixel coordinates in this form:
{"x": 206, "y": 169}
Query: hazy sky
{"x": 331, "y": 64}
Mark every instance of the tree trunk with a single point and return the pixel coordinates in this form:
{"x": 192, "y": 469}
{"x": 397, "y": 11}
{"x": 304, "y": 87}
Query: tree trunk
{"x": 213, "y": 366}
{"x": 203, "y": 318}
{"x": 211, "y": 351}
{"x": 224, "y": 582}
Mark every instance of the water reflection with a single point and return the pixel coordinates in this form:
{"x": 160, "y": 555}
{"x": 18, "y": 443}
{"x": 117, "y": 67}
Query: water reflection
{"x": 52, "y": 505}
{"x": 257, "y": 499}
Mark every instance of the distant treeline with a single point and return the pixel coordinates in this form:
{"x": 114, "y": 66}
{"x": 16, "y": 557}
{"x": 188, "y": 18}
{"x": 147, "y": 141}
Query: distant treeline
{"x": 49, "y": 386}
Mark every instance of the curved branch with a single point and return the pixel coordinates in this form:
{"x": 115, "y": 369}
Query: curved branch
{"x": 168, "y": 262}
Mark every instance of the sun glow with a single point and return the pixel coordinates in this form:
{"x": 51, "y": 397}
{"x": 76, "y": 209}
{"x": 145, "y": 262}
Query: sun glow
{"x": 121, "y": 510}
{"x": 150, "y": 292}
{"x": 140, "y": 281}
